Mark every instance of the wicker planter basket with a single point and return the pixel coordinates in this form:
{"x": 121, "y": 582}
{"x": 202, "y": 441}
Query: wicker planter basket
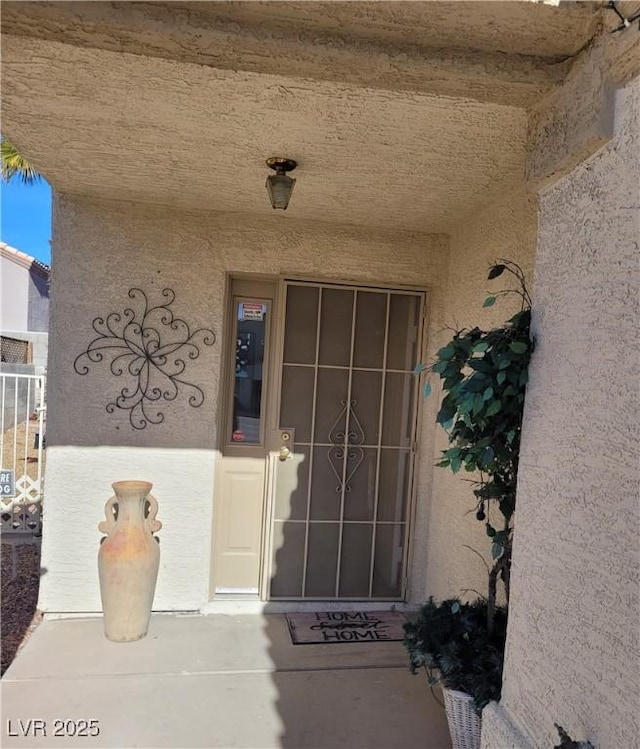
{"x": 464, "y": 723}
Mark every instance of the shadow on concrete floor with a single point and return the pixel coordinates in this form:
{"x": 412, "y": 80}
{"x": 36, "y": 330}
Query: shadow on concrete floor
{"x": 217, "y": 682}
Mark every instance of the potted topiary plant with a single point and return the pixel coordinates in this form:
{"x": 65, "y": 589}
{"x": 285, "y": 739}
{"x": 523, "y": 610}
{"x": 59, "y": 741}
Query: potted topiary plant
{"x": 452, "y": 642}
{"x": 484, "y": 375}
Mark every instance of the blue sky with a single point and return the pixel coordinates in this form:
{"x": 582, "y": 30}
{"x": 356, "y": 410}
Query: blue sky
{"x": 25, "y": 218}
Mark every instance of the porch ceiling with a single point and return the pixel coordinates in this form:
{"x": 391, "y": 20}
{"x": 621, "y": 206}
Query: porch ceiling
{"x": 517, "y": 27}
{"x": 399, "y": 114}
{"x": 503, "y": 52}
{"x": 136, "y": 128}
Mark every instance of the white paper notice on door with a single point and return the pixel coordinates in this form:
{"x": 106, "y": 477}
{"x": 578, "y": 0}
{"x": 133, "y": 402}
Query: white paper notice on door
{"x": 252, "y": 311}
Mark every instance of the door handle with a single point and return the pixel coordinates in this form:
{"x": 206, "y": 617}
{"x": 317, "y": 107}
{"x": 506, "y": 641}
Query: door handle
{"x": 284, "y": 453}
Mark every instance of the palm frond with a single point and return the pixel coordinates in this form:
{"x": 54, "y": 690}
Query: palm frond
{"x": 14, "y": 164}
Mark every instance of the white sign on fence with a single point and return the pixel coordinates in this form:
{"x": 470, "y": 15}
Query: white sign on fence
{"x": 7, "y": 482}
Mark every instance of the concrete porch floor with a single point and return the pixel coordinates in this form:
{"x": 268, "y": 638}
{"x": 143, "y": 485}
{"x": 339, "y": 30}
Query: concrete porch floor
{"x": 216, "y": 681}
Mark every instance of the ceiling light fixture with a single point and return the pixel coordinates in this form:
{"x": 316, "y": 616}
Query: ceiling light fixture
{"x": 280, "y": 185}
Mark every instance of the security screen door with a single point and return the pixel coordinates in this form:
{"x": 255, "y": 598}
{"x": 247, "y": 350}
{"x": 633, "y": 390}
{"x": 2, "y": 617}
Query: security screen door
{"x": 341, "y": 500}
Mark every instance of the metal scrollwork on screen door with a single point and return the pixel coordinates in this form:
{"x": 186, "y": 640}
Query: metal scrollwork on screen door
{"x": 150, "y": 347}
{"x": 346, "y": 444}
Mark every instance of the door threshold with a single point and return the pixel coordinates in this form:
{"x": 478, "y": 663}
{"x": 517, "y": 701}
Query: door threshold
{"x": 235, "y": 605}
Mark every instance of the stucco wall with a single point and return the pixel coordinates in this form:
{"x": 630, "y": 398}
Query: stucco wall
{"x": 505, "y": 228}
{"x": 573, "y": 649}
{"x": 15, "y": 295}
{"x": 101, "y": 250}
{"x": 38, "y": 301}
{"x": 24, "y": 303}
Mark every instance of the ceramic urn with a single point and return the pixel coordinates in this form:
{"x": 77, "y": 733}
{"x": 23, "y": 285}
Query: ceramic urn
{"x": 128, "y": 560}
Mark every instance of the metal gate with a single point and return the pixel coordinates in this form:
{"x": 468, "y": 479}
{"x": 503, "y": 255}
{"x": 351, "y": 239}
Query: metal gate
{"x": 22, "y": 443}
{"x": 342, "y": 506}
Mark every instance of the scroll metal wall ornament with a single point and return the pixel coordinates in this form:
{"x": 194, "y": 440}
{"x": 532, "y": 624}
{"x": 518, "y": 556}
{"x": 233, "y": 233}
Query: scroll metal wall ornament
{"x": 346, "y": 444}
{"x": 150, "y": 347}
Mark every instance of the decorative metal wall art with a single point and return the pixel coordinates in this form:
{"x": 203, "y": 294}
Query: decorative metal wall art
{"x": 150, "y": 348}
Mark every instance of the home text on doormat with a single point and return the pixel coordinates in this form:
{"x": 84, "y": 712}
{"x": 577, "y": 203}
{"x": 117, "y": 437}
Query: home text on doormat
{"x": 345, "y": 626}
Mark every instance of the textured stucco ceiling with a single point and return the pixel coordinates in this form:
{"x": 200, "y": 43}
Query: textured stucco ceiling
{"x": 408, "y": 115}
{"x": 538, "y": 29}
{"x": 139, "y": 128}
{"x": 503, "y": 52}
{"x": 526, "y": 28}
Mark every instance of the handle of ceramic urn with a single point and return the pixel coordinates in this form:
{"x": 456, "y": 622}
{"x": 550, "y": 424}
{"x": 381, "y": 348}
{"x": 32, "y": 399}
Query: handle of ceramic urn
{"x": 108, "y": 525}
{"x": 152, "y": 524}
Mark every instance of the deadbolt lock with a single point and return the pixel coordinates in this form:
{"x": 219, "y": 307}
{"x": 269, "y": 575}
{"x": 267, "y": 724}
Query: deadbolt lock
{"x": 286, "y": 444}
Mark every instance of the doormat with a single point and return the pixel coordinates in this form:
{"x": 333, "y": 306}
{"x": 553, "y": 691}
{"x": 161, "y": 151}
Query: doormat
{"x": 345, "y": 626}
